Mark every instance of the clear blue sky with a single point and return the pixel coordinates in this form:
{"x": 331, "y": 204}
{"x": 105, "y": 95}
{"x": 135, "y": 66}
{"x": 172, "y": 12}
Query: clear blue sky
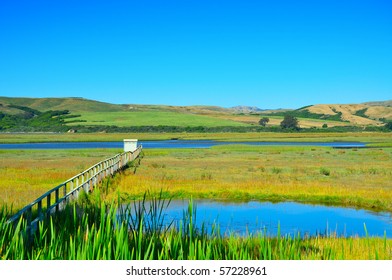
{"x": 268, "y": 54}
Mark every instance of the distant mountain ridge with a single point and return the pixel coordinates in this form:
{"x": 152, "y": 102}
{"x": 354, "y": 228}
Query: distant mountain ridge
{"x": 246, "y": 109}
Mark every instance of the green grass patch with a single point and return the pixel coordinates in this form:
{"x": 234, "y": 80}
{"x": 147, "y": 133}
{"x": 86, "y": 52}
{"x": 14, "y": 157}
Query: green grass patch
{"x": 372, "y": 138}
{"x": 126, "y": 119}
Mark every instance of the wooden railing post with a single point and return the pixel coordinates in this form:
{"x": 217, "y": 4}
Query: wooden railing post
{"x": 48, "y": 201}
{"x": 29, "y": 214}
{"x": 57, "y": 199}
{"x": 40, "y": 209}
{"x": 48, "y": 204}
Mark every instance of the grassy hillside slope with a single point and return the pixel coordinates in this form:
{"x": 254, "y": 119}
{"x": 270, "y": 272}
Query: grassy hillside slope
{"x": 100, "y": 113}
{"x": 153, "y": 118}
{"x": 356, "y": 114}
{"x": 74, "y": 105}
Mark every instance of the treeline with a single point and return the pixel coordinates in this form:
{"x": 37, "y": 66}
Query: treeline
{"x": 301, "y": 113}
{"x": 54, "y": 122}
{"x": 48, "y": 126}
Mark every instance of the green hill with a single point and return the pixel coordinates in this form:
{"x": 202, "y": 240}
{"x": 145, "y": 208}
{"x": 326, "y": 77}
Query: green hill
{"x": 100, "y": 116}
{"x": 94, "y": 113}
{"x": 74, "y": 105}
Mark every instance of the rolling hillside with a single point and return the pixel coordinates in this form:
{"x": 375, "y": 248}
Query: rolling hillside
{"x": 355, "y": 114}
{"x": 74, "y": 105}
{"x": 94, "y": 113}
{"x": 90, "y": 112}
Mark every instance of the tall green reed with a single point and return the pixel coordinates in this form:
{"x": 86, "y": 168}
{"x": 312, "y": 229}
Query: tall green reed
{"x": 138, "y": 232}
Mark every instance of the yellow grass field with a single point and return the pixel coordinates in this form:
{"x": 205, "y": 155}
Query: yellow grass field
{"x": 25, "y": 175}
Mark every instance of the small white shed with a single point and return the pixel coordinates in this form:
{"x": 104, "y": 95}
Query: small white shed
{"x": 130, "y": 145}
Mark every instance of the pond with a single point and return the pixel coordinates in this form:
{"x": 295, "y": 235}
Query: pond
{"x": 289, "y": 218}
{"x": 165, "y": 144}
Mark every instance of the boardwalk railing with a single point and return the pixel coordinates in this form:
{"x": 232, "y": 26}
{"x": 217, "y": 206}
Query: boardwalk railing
{"x": 56, "y": 199}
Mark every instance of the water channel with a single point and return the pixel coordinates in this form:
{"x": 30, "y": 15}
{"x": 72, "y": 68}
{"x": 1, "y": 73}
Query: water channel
{"x": 167, "y": 144}
{"x": 288, "y": 218}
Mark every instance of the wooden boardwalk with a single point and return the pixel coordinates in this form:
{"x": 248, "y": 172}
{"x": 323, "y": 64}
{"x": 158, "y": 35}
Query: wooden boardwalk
{"x": 56, "y": 199}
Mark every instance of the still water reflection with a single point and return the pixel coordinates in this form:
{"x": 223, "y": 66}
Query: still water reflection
{"x": 290, "y": 217}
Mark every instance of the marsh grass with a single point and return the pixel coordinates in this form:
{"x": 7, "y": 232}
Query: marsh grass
{"x": 92, "y": 229}
{"x": 239, "y": 172}
{"x": 374, "y": 139}
{"x": 104, "y": 232}
{"x": 27, "y": 174}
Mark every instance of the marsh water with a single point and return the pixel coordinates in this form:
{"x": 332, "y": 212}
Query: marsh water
{"x": 287, "y": 218}
{"x": 167, "y": 144}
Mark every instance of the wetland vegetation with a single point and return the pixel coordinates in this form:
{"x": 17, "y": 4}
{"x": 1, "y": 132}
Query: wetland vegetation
{"x": 91, "y": 230}
{"x": 372, "y": 138}
{"x": 353, "y": 177}
{"x": 346, "y": 177}
{"x": 27, "y": 174}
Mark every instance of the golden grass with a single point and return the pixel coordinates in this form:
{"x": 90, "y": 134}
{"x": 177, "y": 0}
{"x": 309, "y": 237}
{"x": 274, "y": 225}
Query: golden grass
{"x": 321, "y": 109}
{"x": 348, "y": 248}
{"x": 276, "y": 120}
{"x": 379, "y": 112}
{"x": 26, "y": 175}
{"x": 348, "y": 112}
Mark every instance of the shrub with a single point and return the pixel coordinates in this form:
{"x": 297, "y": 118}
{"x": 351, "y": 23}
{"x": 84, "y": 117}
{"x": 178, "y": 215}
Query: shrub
{"x": 325, "y": 171}
{"x": 206, "y": 176}
{"x": 276, "y": 170}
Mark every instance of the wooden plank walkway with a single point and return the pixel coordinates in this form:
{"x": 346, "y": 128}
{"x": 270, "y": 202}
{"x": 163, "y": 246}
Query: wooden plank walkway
{"x": 56, "y": 199}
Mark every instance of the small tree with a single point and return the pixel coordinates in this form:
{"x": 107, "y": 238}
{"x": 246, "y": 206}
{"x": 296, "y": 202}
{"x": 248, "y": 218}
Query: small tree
{"x": 289, "y": 122}
{"x": 263, "y": 121}
{"x": 325, "y": 125}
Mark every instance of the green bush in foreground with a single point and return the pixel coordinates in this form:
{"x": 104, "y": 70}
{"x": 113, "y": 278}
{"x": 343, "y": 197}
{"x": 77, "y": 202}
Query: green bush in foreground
{"x": 137, "y": 233}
